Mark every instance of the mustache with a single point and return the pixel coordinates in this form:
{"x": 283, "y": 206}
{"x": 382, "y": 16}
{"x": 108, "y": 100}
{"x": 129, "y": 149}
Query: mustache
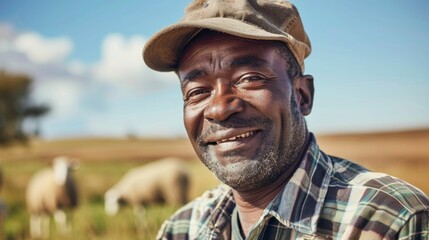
{"x": 233, "y": 122}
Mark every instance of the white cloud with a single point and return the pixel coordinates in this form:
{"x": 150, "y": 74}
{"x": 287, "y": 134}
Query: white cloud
{"x": 62, "y": 95}
{"x": 77, "y": 68}
{"x": 106, "y": 97}
{"x": 121, "y": 65}
{"x": 43, "y": 50}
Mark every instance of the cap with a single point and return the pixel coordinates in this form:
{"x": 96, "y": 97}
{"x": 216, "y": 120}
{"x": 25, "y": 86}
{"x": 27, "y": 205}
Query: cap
{"x": 276, "y": 20}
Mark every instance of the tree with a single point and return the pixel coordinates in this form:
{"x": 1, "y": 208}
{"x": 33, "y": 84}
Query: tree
{"x": 16, "y": 106}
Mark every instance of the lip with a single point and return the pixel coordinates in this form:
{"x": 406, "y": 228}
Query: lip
{"x": 242, "y": 143}
{"x": 228, "y": 136}
{"x": 239, "y": 137}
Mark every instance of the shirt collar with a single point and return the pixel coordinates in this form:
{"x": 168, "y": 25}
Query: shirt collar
{"x": 299, "y": 205}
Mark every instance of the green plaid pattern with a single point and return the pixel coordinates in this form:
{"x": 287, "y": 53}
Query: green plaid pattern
{"x": 326, "y": 198}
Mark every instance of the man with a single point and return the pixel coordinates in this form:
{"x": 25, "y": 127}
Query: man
{"x": 240, "y": 65}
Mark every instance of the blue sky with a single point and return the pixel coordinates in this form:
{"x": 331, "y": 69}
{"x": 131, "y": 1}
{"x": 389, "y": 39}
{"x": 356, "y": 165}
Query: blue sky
{"x": 369, "y": 60}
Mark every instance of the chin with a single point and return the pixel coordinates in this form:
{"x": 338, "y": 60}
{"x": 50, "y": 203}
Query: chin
{"x": 247, "y": 174}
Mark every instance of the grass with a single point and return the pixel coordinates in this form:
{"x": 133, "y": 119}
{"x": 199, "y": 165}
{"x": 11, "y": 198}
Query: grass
{"x": 104, "y": 161}
{"x": 89, "y": 220}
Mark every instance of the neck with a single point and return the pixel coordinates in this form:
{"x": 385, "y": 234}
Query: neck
{"x": 251, "y": 204}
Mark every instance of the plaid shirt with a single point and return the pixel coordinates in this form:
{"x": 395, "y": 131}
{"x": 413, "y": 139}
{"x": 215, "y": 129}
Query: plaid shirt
{"x": 326, "y": 198}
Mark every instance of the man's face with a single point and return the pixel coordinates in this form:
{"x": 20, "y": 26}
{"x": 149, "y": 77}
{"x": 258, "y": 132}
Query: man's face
{"x": 239, "y": 109}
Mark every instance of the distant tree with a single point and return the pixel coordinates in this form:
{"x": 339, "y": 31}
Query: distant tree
{"x": 16, "y": 106}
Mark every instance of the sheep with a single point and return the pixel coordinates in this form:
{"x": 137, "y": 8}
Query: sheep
{"x": 51, "y": 192}
{"x": 163, "y": 181}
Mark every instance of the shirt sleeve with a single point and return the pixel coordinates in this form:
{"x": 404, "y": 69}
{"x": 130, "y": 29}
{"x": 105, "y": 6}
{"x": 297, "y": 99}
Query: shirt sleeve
{"x": 417, "y": 227}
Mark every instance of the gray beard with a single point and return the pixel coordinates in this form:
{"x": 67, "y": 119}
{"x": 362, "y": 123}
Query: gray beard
{"x": 271, "y": 161}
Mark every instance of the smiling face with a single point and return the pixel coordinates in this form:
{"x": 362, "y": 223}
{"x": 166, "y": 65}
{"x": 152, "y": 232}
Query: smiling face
{"x": 240, "y": 111}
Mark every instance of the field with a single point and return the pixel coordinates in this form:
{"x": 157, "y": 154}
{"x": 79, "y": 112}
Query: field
{"x": 103, "y": 161}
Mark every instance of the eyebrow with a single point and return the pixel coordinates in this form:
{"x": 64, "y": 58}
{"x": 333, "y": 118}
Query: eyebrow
{"x": 249, "y": 61}
{"x": 191, "y": 75}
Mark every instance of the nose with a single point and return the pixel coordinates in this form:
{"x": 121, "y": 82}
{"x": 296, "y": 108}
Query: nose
{"x": 223, "y": 104}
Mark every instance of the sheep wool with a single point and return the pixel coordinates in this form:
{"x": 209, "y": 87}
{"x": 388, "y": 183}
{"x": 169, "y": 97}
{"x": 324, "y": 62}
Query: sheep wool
{"x": 163, "y": 181}
{"x": 51, "y": 191}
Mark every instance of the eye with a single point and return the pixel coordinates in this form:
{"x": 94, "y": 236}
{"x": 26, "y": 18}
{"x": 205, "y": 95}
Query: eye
{"x": 251, "y": 79}
{"x": 196, "y": 94}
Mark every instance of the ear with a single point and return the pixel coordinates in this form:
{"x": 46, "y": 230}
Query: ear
{"x": 304, "y": 93}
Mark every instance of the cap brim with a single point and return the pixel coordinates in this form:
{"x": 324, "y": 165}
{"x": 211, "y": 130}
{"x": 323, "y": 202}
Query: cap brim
{"x": 162, "y": 51}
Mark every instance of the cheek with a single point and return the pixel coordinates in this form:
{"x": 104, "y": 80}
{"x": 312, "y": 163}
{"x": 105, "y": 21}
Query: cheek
{"x": 271, "y": 103}
{"x": 193, "y": 120}
{"x": 275, "y": 105}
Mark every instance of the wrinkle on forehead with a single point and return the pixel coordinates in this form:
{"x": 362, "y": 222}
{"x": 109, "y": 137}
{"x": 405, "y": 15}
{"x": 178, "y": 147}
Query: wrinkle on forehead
{"x": 212, "y": 51}
{"x": 199, "y": 63}
{"x": 207, "y": 37}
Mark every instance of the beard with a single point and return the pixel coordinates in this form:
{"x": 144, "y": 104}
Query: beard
{"x": 273, "y": 157}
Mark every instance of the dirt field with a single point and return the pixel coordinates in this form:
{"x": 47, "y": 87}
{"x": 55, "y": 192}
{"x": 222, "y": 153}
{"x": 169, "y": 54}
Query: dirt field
{"x": 403, "y": 154}
{"x": 103, "y": 161}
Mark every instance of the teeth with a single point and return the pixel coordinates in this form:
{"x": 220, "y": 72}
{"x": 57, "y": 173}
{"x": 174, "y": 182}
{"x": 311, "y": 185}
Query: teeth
{"x": 241, "y": 136}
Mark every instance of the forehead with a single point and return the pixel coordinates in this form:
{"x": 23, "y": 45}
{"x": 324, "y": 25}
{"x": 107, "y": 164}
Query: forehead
{"x": 209, "y": 44}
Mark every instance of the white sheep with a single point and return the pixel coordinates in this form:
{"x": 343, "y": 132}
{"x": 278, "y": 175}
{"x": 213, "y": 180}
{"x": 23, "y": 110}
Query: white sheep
{"x": 51, "y": 192}
{"x": 163, "y": 181}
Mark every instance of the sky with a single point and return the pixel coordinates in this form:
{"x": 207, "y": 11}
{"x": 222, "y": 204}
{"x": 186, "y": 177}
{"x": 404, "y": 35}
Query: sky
{"x": 369, "y": 60}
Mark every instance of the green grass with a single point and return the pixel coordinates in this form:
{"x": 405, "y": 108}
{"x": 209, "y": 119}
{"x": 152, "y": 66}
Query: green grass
{"x": 89, "y": 220}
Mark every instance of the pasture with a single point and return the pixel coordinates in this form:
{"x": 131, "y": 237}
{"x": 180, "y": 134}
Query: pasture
{"x": 104, "y": 161}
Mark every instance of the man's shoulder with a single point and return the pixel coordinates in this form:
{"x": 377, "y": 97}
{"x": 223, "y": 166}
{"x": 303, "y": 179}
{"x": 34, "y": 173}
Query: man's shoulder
{"x": 375, "y": 186}
{"x": 190, "y": 219}
{"x": 379, "y": 199}
{"x": 375, "y": 202}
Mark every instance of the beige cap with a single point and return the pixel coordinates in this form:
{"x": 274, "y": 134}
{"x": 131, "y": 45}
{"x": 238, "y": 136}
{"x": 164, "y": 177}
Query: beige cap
{"x": 253, "y": 19}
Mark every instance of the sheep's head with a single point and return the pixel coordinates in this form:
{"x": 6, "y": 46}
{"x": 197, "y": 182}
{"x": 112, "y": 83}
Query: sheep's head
{"x": 111, "y": 202}
{"x": 62, "y": 166}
